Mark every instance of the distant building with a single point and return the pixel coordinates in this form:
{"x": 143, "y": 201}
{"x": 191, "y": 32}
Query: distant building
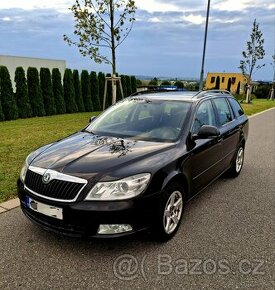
{"x": 233, "y": 82}
{"x": 12, "y": 62}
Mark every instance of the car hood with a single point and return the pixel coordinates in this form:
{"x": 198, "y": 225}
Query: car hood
{"x": 84, "y": 153}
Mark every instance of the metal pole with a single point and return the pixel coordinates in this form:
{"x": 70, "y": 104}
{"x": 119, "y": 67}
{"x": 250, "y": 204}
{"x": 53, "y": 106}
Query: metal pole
{"x": 204, "y": 45}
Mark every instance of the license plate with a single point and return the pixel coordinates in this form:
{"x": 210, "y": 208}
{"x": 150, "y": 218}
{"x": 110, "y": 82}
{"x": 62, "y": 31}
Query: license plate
{"x": 45, "y": 209}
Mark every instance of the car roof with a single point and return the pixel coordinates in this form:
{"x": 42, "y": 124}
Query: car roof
{"x": 191, "y": 96}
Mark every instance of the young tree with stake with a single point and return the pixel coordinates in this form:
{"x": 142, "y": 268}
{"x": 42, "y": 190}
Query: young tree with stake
{"x": 254, "y": 52}
{"x": 99, "y": 25}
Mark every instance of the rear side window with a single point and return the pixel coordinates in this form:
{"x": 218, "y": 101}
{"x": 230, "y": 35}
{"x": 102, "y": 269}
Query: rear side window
{"x": 236, "y": 107}
{"x": 224, "y": 112}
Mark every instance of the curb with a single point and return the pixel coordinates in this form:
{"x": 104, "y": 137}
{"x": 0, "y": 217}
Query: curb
{"x": 14, "y": 203}
{"x": 9, "y": 205}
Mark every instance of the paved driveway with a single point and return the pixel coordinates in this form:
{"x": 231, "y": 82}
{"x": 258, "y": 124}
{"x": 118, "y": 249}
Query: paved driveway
{"x": 225, "y": 242}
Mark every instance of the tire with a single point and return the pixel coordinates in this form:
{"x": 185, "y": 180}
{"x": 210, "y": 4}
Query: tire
{"x": 170, "y": 212}
{"x": 237, "y": 163}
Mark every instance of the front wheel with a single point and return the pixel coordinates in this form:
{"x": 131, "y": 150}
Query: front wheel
{"x": 170, "y": 212}
{"x": 237, "y": 163}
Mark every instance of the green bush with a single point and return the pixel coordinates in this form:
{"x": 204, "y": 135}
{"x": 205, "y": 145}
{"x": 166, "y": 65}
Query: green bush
{"x": 128, "y": 85}
{"x": 2, "y": 118}
{"x": 179, "y": 84}
{"x": 69, "y": 96}
{"x": 262, "y": 91}
{"x": 21, "y": 94}
{"x": 6, "y": 95}
{"x": 34, "y": 92}
{"x": 86, "y": 91}
{"x": 47, "y": 91}
{"x": 95, "y": 91}
{"x": 153, "y": 82}
{"x": 124, "y": 86}
{"x": 134, "y": 84}
{"x": 58, "y": 92}
{"x": 165, "y": 83}
{"x": 77, "y": 92}
{"x": 101, "y": 85}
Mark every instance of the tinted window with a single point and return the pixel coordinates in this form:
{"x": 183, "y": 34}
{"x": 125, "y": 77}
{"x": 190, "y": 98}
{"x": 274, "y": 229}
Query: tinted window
{"x": 204, "y": 116}
{"x": 236, "y": 107}
{"x": 142, "y": 120}
{"x": 224, "y": 113}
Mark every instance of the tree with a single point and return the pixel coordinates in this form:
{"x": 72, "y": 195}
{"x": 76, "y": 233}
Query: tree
{"x": 77, "y": 92}
{"x": 272, "y": 91}
{"x": 101, "y": 84}
{"x": 47, "y": 91}
{"x": 6, "y": 95}
{"x": 58, "y": 92}
{"x": 69, "y": 96}
{"x": 109, "y": 93}
{"x": 34, "y": 92}
{"x": 153, "y": 82}
{"x": 134, "y": 84}
{"x": 179, "y": 84}
{"x": 86, "y": 91}
{"x": 101, "y": 24}
{"x": 95, "y": 91}
{"x": 21, "y": 94}
{"x": 254, "y": 52}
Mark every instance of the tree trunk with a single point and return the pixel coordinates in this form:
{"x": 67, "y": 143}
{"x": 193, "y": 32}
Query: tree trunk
{"x": 113, "y": 53}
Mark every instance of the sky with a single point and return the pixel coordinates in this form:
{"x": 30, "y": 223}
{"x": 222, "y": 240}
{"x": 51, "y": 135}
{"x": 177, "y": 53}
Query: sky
{"x": 166, "y": 40}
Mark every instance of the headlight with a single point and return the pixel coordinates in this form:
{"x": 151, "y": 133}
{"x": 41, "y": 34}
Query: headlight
{"x": 24, "y": 171}
{"x": 121, "y": 189}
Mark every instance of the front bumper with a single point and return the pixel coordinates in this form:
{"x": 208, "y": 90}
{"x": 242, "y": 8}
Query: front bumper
{"x": 82, "y": 218}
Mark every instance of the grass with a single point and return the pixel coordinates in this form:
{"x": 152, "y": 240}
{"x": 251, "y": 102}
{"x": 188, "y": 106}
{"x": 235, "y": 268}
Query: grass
{"x": 257, "y": 105}
{"x": 18, "y": 138}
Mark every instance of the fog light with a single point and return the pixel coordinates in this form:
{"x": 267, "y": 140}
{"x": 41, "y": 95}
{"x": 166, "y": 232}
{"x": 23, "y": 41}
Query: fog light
{"x": 114, "y": 229}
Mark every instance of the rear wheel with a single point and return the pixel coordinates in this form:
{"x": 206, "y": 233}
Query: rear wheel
{"x": 170, "y": 212}
{"x": 237, "y": 163}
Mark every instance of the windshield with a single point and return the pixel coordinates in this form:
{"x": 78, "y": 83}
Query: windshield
{"x": 142, "y": 119}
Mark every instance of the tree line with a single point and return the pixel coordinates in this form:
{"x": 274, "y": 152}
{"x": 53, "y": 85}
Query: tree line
{"x": 45, "y": 93}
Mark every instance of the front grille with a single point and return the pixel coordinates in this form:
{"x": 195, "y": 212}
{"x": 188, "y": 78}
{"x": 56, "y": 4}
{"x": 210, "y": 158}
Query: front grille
{"x": 57, "y": 189}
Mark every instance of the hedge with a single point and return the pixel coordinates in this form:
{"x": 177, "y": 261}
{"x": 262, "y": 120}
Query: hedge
{"x": 86, "y": 91}
{"x": 47, "y": 91}
{"x": 95, "y": 91}
{"x": 58, "y": 92}
{"x": 77, "y": 92}
{"x": 21, "y": 94}
{"x": 34, "y": 92}
{"x": 9, "y": 106}
{"x": 69, "y": 95}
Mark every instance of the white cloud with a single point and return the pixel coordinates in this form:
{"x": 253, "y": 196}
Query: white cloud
{"x": 155, "y": 6}
{"x": 233, "y": 5}
{"x": 6, "y": 19}
{"x": 194, "y": 19}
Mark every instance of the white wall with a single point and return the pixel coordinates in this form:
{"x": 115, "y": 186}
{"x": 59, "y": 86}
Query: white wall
{"x": 12, "y": 62}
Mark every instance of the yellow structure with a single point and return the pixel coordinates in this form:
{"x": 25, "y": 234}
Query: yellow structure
{"x": 232, "y": 82}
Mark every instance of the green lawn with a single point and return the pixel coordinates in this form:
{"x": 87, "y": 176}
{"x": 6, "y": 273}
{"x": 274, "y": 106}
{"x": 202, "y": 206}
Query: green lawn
{"x": 18, "y": 138}
{"x": 257, "y": 106}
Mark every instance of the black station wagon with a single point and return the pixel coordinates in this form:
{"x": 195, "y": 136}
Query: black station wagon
{"x": 136, "y": 165}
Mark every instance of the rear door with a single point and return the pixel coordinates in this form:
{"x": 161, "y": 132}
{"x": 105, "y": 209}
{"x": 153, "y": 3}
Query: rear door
{"x": 229, "y": 129}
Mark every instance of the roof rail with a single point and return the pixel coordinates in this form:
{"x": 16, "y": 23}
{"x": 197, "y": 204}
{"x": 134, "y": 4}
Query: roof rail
{"x": 210, "y": 92}
{"x": 158, "y": 90}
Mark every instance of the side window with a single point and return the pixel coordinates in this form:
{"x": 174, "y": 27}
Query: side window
{"x": 224, "y": 113}
{"x": 236, "y": 107}
{"x": 204, "y": 116}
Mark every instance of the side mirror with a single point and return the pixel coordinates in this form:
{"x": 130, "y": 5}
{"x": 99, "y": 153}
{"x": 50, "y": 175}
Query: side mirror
{"x": 92, "y": 119}
{"x": 206, "y": 132}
